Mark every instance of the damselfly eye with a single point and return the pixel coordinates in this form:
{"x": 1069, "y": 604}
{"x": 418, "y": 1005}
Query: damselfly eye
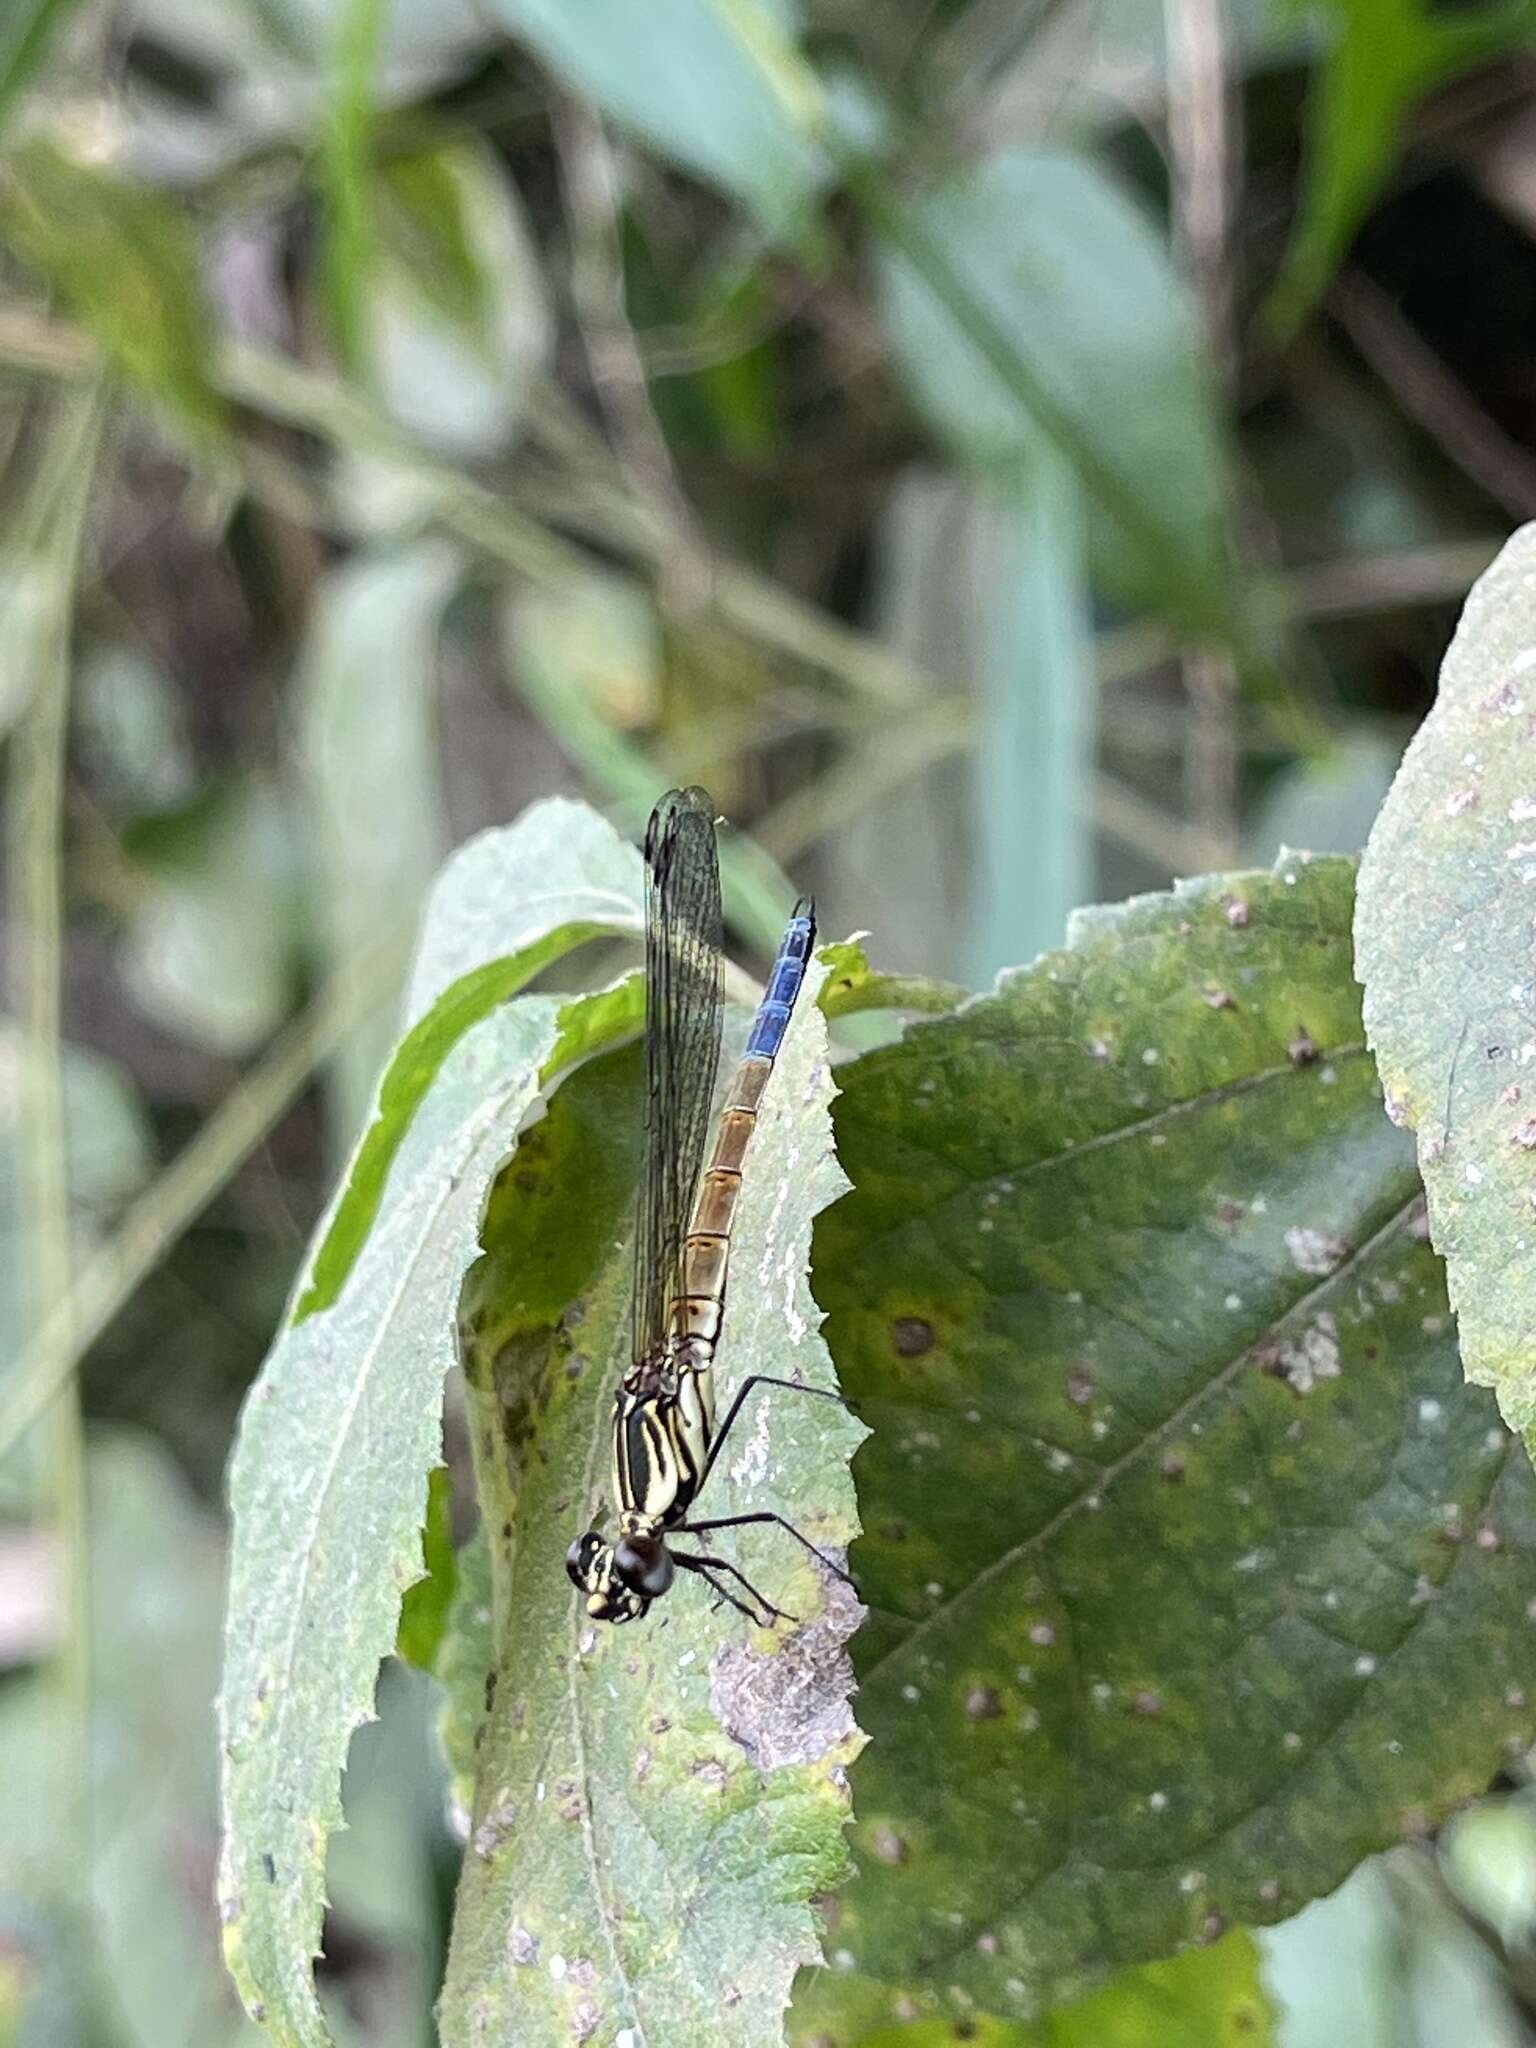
{"x": 584, "y": 1561}
{"x": 644, "y": 1564}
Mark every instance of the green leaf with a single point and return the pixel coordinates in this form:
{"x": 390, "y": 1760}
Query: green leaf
{"x": 327, "y": 1490}
{"x": 427, "y": 1605}
{"x": 465, "y": 1669}
{"x": 1444, "y": 949}
{"x": 1195, "y": 1572}
{"x": 587, "y": 656}
{"x": 1024, "y": 293}
{"x": 329, "y": 1478}
{"x": 146, "y": 1938}
{"x": 1037, "y": 714}
{"x": 367, "y": 677}
{"x": 658, "y": 1804}
{"x": 852, "y": 985}
{"x": 715, "y": 85}
{"x": 460, "y": 322}
{"x": 1385, "y": 57}
{"x": 109, "y": 1155}
{"x": 1205, "y": 1998}
{"x": 25, "y": 42}
{"x": 488, "y": 931}
{"x": 209, "y": 950}
{"x": 121, "y": 258}
{"x": 346, "y": 159}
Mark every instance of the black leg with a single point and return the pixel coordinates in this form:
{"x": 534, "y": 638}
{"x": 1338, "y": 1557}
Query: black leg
{"x": 759, "y": 1379}
{"x": 740, "y": 1521}
{"x": 706, "y": 1567}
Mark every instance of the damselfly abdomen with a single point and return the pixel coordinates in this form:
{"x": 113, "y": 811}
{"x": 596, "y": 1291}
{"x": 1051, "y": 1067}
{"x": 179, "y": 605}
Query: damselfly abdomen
{"x": 665, "y": 1438}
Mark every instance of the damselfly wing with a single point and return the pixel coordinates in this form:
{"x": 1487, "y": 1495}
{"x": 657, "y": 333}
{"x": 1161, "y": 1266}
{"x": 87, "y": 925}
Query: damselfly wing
{"x": 665, "y": 1439}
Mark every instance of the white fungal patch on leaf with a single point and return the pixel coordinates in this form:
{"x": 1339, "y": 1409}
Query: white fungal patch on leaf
{"x": 1315, "y": 1251}
{"x": 1305, "y": 1360}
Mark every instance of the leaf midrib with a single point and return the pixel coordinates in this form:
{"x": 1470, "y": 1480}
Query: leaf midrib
{"x": 1171, "y": 1112}
{"x": 1107, "y": 1477}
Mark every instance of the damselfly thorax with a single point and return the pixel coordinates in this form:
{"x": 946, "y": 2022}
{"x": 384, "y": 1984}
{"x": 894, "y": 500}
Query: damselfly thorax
{"x": 665, "y": 1439}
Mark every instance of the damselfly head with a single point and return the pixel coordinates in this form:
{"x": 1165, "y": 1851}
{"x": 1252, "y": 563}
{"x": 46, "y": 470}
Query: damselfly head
{"x": 644, "y": 1563}
{"x": 592, "y": 1567}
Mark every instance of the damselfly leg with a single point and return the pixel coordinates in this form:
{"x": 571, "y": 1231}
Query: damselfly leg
{"x": 706, "y": 1567}
{"x": 763, "y": 1379}
{"x": 759, "y": 1379}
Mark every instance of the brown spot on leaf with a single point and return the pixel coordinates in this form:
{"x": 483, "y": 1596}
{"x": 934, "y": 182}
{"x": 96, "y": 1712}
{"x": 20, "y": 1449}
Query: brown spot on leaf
{"x": 1218, "y": 998}
{"x": 1081, "y": 1386}
{"x": 982, "y": 1704}
{"x": 1460, "y": 801}
{"x": 1302, "y": 1050}
{"x": 1504, "y": 700}
{"x": 1172, "y": 1467}
{"x": 1212, "y": 1928}
{"x": 1302, "y": 1361}
{"x": 1524, "y": 1134}
{"x": 912, "y": 1336}
{"x": 1148, "y": 1703}
{"x": 1509, "y": 1093}
{"x": 886, "y": 1844}
{"x": 1236, "y": 910}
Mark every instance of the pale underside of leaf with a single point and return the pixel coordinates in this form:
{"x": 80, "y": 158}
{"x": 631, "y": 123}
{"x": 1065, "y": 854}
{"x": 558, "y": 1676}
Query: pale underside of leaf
{"x": 638, "y": 1871}
{"x": 327, "y": 1491}
{"x": 1445, "y": 949}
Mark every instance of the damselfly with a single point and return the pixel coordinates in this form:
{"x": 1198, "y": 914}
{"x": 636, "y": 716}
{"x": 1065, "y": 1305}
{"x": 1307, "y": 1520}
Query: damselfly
{"x": 665, "y": 1442}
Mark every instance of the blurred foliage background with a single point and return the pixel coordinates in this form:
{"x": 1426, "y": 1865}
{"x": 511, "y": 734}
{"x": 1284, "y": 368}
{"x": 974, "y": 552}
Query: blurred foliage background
{"x": 1012, "y": 454}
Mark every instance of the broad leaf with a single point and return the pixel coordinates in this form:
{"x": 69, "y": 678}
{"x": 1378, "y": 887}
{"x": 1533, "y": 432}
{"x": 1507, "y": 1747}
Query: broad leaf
{"x": 368, "y": 741}
{"x": 124, "y": 263}
{"x": 1447, "y": 891}
{"x": 507, "y": 905}
{"x": 1025, "y": 293}
{"x": 716, "y": 85}
{"x": 657, "y": 1804}
{"x": 1196, "y": 1573}
{"x": 329, "y": 1480}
